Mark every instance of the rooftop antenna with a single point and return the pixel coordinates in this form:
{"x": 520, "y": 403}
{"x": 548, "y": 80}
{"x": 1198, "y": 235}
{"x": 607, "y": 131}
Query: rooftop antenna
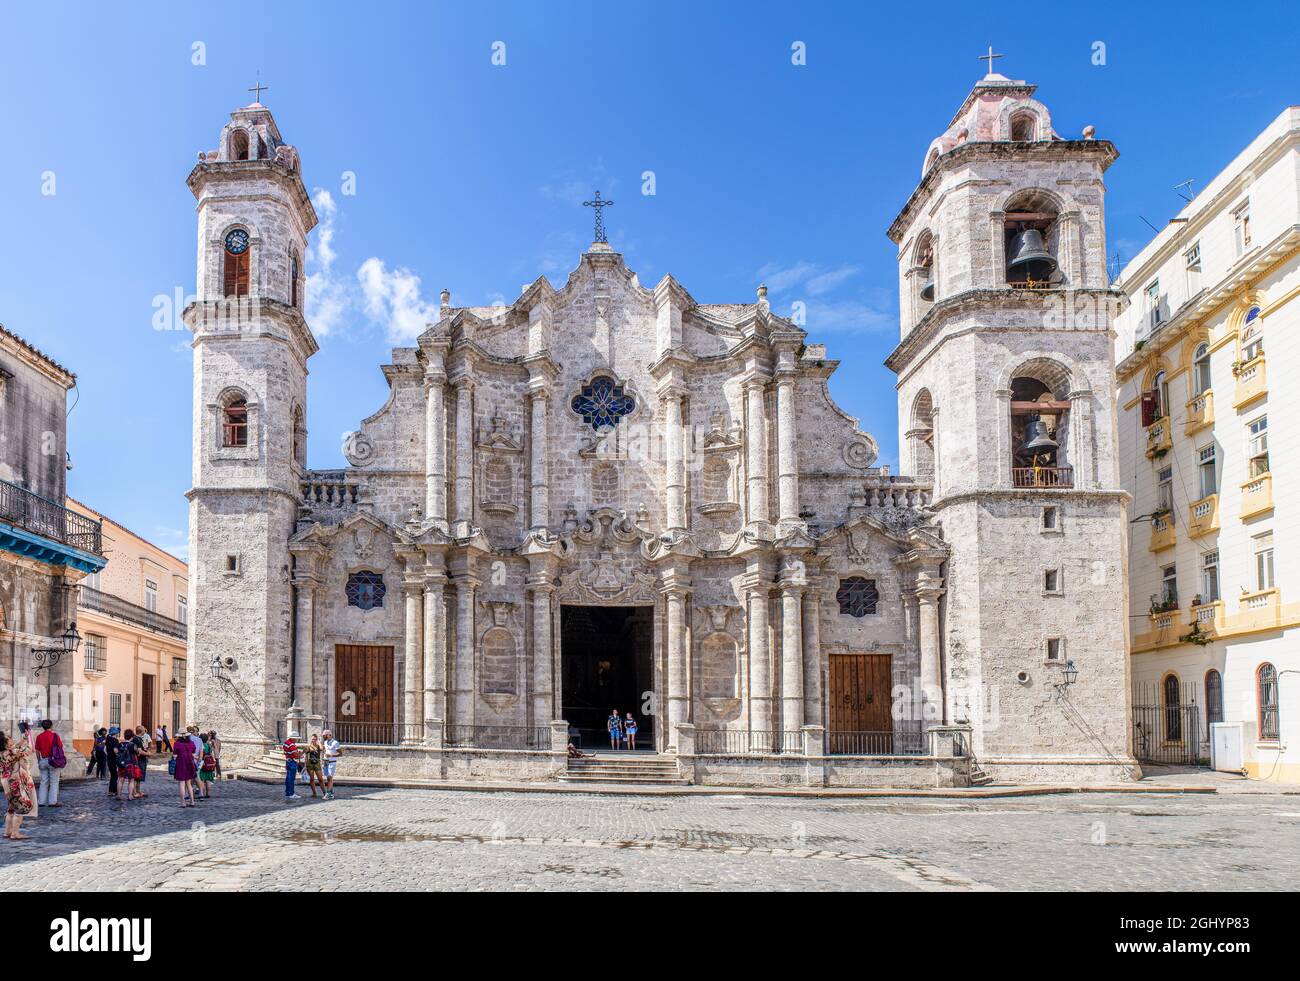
{"x": 1189, "y": 193}
{"x": 1150, "y": 226}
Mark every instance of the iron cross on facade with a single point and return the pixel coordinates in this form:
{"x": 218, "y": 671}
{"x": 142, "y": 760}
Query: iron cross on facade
{"x": 989, "y": 58}
{"x": 600, "y": 220}
{"x": 258, "y": 89}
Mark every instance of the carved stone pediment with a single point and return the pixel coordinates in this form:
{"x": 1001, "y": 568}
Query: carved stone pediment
{"x": 496, "y": 434}
{"x": 603, "y": 527}
{"x": 720, "y": 439}
{"x": 604, "y": 582}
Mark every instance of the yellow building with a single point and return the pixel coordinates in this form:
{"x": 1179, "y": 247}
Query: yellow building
{"x": 1209, "y": 376}
{"x": 133, "y": 618}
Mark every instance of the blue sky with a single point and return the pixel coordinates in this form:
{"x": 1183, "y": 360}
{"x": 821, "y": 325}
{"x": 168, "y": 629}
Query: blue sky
{"x": 470, "y": 175}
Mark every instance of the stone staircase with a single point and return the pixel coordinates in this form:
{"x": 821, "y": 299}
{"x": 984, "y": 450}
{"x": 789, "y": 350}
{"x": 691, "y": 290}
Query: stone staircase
{"x": 268, "y": 764}
{"x": 978, "y": 776}
{"x": 627, "y": 768}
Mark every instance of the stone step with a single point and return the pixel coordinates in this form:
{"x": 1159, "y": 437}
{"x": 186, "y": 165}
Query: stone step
{"x": 627, "y": 770}
{"x": 601, "y": 778}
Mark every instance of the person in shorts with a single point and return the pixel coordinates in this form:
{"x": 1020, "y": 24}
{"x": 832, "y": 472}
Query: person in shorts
{"x": 332, "y": 752}
{"x": 629, "y": 731}
{"x": 615, "y": 726}
{"x": 313, "y": 759}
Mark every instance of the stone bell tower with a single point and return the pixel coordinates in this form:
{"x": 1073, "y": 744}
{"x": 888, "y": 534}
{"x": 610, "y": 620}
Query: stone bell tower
{"x": 1006, "y": 397}
{"x": 251, "y": 345}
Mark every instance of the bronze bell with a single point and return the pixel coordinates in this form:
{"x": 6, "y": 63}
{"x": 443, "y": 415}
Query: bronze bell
{"x": 1037, "y": 441}
{"x": 927, "y": 289}
{"x": 1030, "y": 258}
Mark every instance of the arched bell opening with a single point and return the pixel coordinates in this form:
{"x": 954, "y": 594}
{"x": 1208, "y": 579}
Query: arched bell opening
{"x": 920, "y": 435}
{"x": 1032, "y": 231}
{"x": 1039, "y": 434}
{"x": 925, "y": 262}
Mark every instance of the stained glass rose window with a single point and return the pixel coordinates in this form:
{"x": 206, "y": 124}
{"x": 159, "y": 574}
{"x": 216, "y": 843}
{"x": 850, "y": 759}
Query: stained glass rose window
{"x": 602, "y": 403}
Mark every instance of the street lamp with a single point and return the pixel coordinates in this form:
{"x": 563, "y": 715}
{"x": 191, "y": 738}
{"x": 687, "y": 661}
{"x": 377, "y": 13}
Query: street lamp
{"x": 1071, "y": 673}
{"x": 47, "y": 657}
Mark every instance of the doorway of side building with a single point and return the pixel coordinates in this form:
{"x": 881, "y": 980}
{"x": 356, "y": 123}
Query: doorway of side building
{"x": 606, "y": 663}
{"x": 148, "y": 696}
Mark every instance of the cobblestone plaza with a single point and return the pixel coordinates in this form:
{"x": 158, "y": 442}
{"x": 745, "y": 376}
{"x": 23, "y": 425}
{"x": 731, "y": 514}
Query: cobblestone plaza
{"x": 389, "y": 840}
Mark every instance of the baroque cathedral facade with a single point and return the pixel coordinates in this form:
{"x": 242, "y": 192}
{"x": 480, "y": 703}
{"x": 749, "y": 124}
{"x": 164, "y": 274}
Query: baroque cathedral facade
{"x": 609, "y": 495}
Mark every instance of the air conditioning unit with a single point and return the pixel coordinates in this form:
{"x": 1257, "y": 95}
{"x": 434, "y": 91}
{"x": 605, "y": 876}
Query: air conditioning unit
{"x": 1227, "y": 746}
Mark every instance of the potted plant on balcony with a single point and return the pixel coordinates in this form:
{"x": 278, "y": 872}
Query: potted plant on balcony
{"x": 1159, "y": 512}
{"x": 1159, "y": 605}
{"x": 1196, "y": 635}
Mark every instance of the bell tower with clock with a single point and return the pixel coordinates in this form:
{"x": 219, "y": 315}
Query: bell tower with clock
{"x": 251, "y": 347}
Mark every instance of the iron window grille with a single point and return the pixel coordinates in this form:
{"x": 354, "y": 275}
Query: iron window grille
{"x": 857, "y": 596}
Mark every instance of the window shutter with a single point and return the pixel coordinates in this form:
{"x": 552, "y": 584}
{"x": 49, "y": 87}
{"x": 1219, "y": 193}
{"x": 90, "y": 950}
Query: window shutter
{"x": 1148, "y": 408}
{"x": 235, "y": 278}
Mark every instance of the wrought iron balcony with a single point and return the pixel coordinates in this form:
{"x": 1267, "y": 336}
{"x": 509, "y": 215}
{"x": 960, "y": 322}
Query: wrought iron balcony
{"x": 120, "y": 609}
{"x": 40, "y": 516}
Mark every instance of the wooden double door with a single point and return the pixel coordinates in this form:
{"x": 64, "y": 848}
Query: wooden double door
{"x": 363, "y": 694}
{"x": 860, "y": 720}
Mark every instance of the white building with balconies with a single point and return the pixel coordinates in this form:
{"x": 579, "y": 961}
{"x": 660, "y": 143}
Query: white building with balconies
{"x": 1208, "y": 352}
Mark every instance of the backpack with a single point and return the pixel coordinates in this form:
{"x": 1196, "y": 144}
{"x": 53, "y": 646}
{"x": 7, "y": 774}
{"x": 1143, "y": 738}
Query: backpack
{"x": 57, "y": 758}
{"x": 209, "y": 763}
{"x": 125, "y": 754}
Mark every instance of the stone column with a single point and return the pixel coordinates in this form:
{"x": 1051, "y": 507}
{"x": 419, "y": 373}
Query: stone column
{"x": 464, "y": 450}
{"x": 792, "y": 666}
{"x": 756, "y": 446}
{"x": 812, "y": 657}
{"x": 413, "y": 596}
{"x": 543, "y": 697}
{"x": 997, "y": 252}
{"x": 1080, "y": 448}
{"x": 787, "y": 463}
{"x": 757, "y": 590}
{"x": 928, "y": 591}
{"x": 675, "y": 478}
{"x": 435, "y": 445}
{"x": 541, "y": 498}
{"x": 463, "y": 683}
{"x": 435, "y": 649}
{"x": 304, "y": 655}
{"x": 675, "y": 591}
{"x": 1003, "y": 463}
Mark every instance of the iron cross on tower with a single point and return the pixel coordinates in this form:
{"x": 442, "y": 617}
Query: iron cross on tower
{"x": 258, "y": 89}
{"x": 600, "y": 220}
{"x": 989, "y": 58}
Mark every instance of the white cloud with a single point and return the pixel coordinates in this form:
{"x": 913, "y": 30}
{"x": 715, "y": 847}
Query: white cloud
{"x": 568, "y": 188}
{"x": 827, "y": 281}
{"x": 850, "y": 316}
{"x": 781, "y": 278}
{"x": 814, "y": 280}
{"x": 392, "y": 299}
{"x": 173, "y": 540}
{"x": 328, "y": 300}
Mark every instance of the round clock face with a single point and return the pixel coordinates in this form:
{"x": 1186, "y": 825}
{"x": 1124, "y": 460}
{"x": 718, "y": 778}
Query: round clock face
{"x": 237, "y": 242}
